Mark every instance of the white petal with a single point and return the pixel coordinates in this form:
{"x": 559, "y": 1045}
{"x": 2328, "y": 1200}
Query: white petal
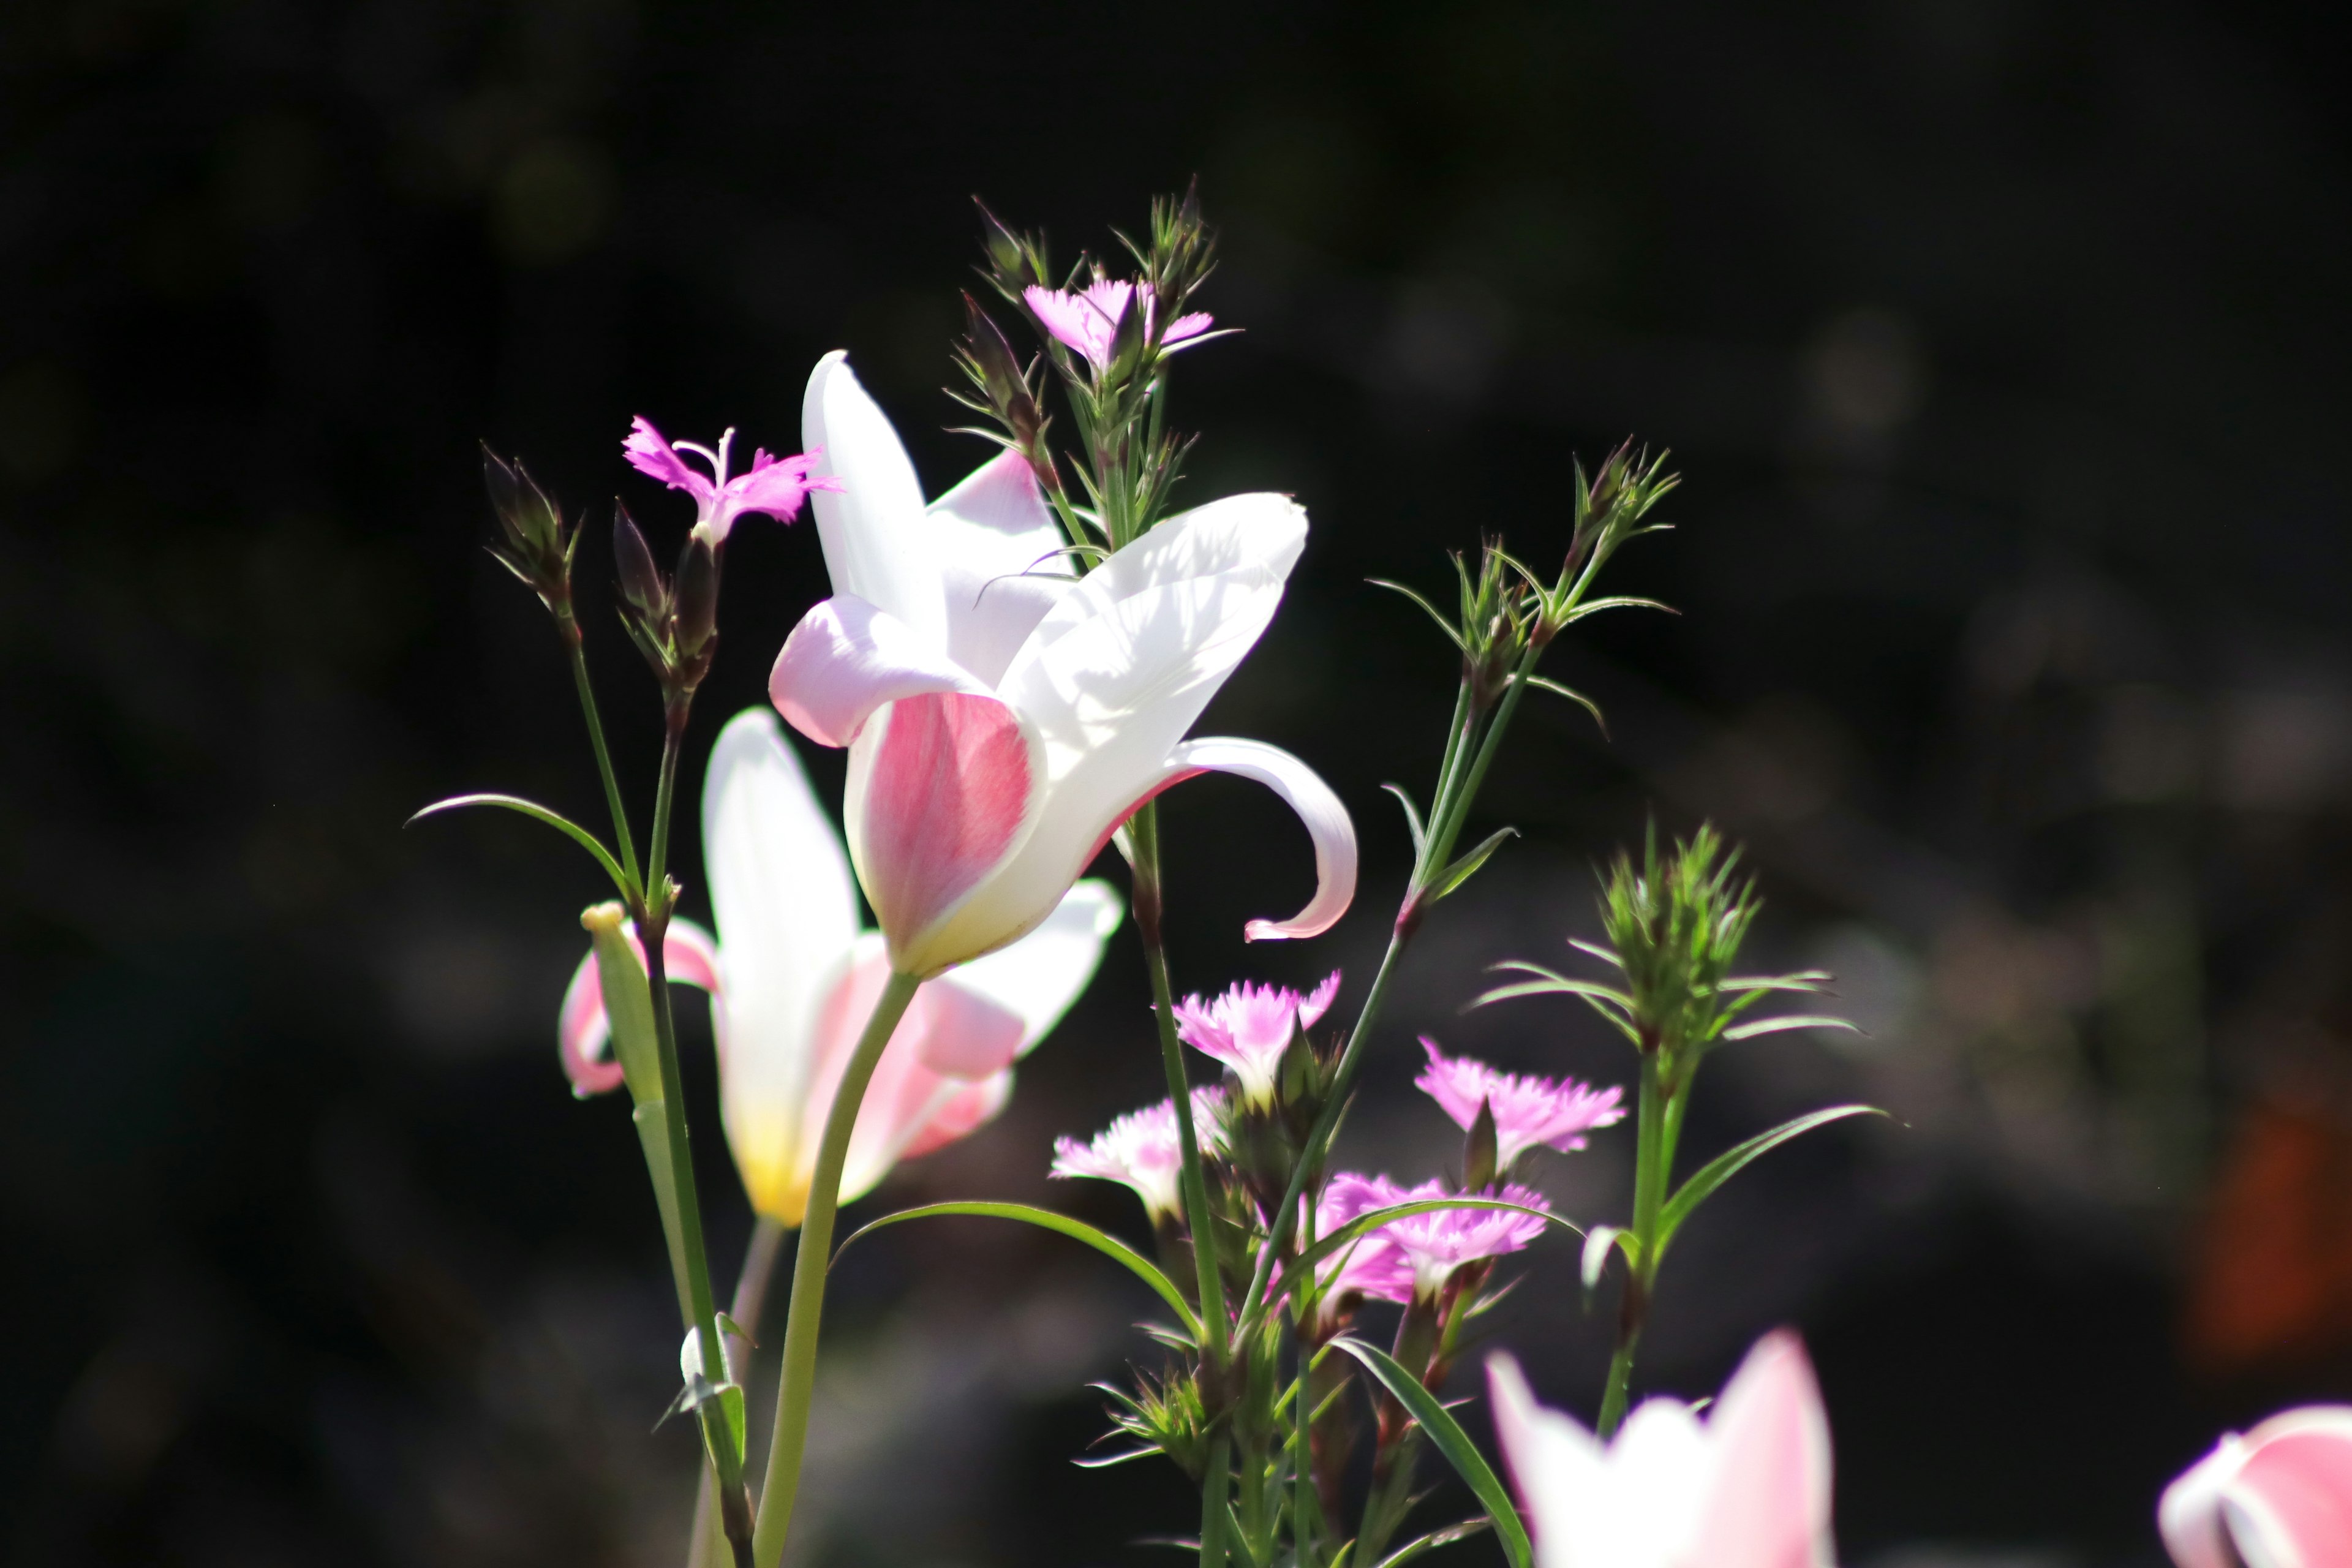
{"x": 1256, "y": 536}
{"x": 787, "y": 908}
{"x": 1105, "y": 705}
{"x": 1304, "y": 790}
{"x": 848, "y": 657}
{"x": 1002, "y": 564}
{"x": 1039, "y": 976}
{"x": 873, "y": 531}
{"x": 1768, "y": 1503}
{"x": 2189, "y": 1516}
{"x": 1555, "y": 1465}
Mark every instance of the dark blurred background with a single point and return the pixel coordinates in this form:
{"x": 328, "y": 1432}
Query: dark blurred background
{"x": 2001, "y": 345}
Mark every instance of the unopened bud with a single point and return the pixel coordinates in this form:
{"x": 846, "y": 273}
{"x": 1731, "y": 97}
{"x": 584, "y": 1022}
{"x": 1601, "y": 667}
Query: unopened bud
{"x": 1301, "y": 1074}
{"x": 640, "y": 580}
{"x": 1011, "y": 258}
{"x": 698, "y": 597}
{"x": 1126, "y": 342}
{"x": 1479, "y": 1151}
{"x": 1000, "y": 373}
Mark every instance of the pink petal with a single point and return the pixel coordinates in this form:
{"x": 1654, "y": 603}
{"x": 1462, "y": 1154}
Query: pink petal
{"x": 582, "y": 1031}
{"x": 1186, "y": 326}
{"x": 966, "y": 1034}
{"x": 970, "y": 1110}
{"x": 689, "y": 957}
{"x": 1769, "y": 1506}
{"x": 907, "y": 1097}
{"x": 2295, "y": 1498}
{"x": 845, "y": 659}
{"x": 650, "y": 454}
{"x": 775, "y": 487}
{"x": 944, "y": 793}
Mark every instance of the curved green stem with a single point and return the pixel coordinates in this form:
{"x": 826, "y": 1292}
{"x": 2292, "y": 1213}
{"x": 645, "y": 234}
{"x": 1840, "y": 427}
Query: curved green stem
{"x": 1652, "y": 1155}
{"x": 810, "y": 1262}
{"x": 571, "y": 641}
{"x": 748, "y": 1307}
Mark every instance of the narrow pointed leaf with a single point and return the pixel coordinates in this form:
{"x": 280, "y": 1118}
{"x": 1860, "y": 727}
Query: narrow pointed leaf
{"x": 1618, "y": 602}
{"x": 1463, "y": 869}
{"x": 538, "y": 813}
{"x": 1444, "y": 624}
{"x": 1731, "y": 1161}
{"x": 1546, "y": 683}
{"x": 1599, "y": 1243}
{"x": 1775, "y": 1026}
{"x": 1437, "y": 1538}
{"x": 1108, "y": 1246}
{"x": 1411, "y": 820}
{"x": 1446, "y": 1435}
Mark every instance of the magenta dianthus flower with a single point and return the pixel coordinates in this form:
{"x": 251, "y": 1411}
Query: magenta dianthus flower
{"x": 1555, "y": 1112}
{"x": 1373, "y": 1265}
{"x": 774, "y": 486}
{"x": 1141, "y": 1150}
{"x": 1249, "y": 1027}
{"x": 1088, "y": 321}
{"x": 1437, "y": 1244}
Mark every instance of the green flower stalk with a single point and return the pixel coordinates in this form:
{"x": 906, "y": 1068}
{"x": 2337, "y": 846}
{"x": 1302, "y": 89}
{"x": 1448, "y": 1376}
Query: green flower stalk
{"x": 1675, "y": 924}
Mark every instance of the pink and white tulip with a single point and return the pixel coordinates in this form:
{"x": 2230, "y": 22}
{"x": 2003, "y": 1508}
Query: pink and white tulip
{"x": 1248, "y": 1028}
{"x": 1553, "y": 1112}
{"x": 792, "y": 979}
{"x": 773, "y": 486}
{"x": 1004, "y": 717}
{"x": 2278, "y": 1497}
{"x": 1088, "y": 321}
{"x": 1140, "y": 1151}
{"x": 1748, "y": 1486}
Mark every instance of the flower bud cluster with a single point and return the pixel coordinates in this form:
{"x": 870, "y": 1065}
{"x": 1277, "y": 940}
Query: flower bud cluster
{"x": 674, "y": 620}
{"x": 534, "y": 542}
{"x": 1676, "y": 923}
{"x": 1107, "y": 338}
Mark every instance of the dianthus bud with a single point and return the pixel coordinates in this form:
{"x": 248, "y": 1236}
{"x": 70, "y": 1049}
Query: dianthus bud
{"x": 697, "y": 631}
{"x": 990, "y": 363}
{"x": 534, "y": 544}
{"x": 641, "y": 588}
{"x": 1481, "y": 1161}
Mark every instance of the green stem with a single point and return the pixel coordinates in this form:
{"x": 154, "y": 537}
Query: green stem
{"x": 1143, "y": 836}
{"x": 571, "y": 641}
{"x": 1652, "y": 1153}
{"x": 1442, "y": 840}
{"x": 1143, "y": 839}
{"x": 652, "y": 928}
{"x": 813, "y": 1257}
{"x": 748, "y": 1305}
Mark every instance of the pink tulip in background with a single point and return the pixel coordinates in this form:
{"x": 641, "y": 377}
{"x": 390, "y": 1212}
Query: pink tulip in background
{"x": 1745, "y": 1486}
{"x": 793, "y": 979}
{"x": 1004, "y": 716}
{"x": 2278, "y": 1497}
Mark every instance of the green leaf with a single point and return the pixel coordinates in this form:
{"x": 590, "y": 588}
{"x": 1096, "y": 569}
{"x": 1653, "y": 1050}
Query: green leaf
{"x": 653, "y": 1135}
{"x": 1550, "y": 982}
{"x": 1546, "y": 683}
{"x": 1599, "y": 1243}
{"x": 1618, "y": 602}
{"x": 1446, "y": 1436}
{"x": 1731, "y": 1161}
{"x": 1434, "y": 1539}
{"x": 538, "y": 813}
{"x": 1108, "y": 1246}
{"x": 1411, "y": 820}
{"x": 1463, "y": 869}
{"x": 1797, "y": 1021}
{"x": 1444, "y": 624}
{"x": 1805, "y": 980}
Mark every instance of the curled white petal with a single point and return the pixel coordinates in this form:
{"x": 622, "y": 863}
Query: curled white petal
{"x": 1304, "y": 790}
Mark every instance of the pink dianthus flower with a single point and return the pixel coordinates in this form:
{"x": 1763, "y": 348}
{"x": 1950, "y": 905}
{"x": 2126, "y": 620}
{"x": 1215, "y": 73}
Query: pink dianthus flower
{"x": 1249, "y": 1027}
{"x": 1528, "y": 1110}
{"x": 773, "y": 486}
{"x": 1088, "y": 321}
